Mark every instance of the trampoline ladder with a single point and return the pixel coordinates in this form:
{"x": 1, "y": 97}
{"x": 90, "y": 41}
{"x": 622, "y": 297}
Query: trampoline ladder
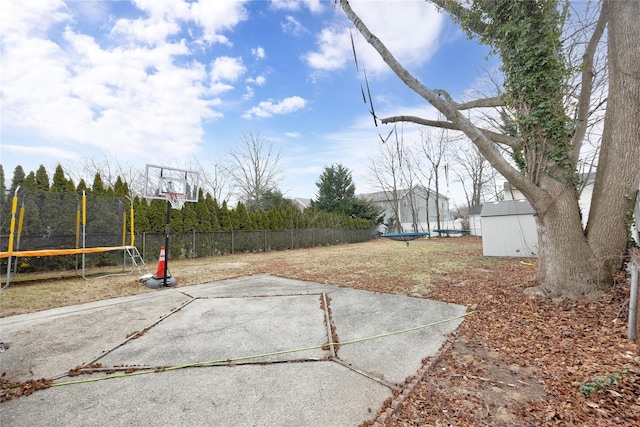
{"x": 136, "y": 260}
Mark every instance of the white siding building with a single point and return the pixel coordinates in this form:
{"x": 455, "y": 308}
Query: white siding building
{"x": 509, "y": 229}
{"x": 416, "y": 209}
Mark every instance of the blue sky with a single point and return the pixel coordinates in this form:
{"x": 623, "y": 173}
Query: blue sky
{"x": 178, "y": 82}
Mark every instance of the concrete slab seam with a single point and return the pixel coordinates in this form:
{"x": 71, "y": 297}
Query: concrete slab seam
{"x": 230, "y": 360}
{"x": 132, "y": 336}
{"x": 260, "y": 296}
{"x": 381, "y": 420}
{"x": 324, "y": 301}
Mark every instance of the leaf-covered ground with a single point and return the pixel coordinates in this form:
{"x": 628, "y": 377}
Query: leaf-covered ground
{"x": 527, "y": 362}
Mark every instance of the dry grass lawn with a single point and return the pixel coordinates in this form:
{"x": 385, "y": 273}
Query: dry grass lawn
{"x": 394, "y": 266}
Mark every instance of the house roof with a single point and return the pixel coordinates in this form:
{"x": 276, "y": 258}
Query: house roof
{"x": 506, "y": 208}
{"x": 382, "y": 196}
{"x": 302, "y": 202}
{"x": 386, "y": 196}
{"x": 475, "y": 210}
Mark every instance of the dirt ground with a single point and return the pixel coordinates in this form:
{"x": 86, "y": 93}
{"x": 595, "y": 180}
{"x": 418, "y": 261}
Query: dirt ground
{"x": 515, "y": 361}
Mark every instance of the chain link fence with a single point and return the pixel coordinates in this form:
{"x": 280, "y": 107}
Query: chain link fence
{"x": 181, "y": 246}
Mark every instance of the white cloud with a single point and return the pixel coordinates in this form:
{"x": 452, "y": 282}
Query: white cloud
{"x": 333, "y": 52}
{"x": 149, "y": 31}
{"x": 292, "y": 26}
{"x": 292, "y": 134}
{"x": 135, "y": 100}
{"x": 44, "y": 152}
{"x": 258, "y": 52}
{"x": 258, "y": 81}
{"x": 216, "y": 16}
{"x": 409, "y": 29}
{"x": 267, "y": 108}
{"x": 249, "y": 92}
{"x": 227, "y": 68}
{"x": 314, "y": 6}
{"x": 20, "y": 18}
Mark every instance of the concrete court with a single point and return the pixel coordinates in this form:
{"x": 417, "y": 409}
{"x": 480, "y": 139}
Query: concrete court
{"x": 236, "y": 325}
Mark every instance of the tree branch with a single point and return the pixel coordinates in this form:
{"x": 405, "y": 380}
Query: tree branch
{"x": 488, "y": 149}
{"x": 587, "y": 85}
{"x": 498, "y": 138}
{"x": 495, "y": 101}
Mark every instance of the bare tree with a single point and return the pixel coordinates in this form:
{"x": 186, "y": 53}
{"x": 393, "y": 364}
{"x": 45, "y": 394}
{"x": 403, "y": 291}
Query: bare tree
{"x": 434, "y": 150}
{"x": 386, "y": 174}
{"x": 543, "y": 135}
{"x": 475, "y": 174}
{"x": 254, "y": 168}
{"x": 109, "y": 168}
{"x": 215, "y": 179}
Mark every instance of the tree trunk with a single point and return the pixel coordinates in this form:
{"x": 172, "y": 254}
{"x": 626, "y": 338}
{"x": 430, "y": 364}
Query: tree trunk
{"x": 618, "y": 173}
{"x": 566, "y": 262}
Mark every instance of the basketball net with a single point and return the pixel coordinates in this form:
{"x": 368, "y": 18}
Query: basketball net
{"x": 177, "y": 200}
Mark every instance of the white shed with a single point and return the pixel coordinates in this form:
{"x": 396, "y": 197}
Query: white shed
{"x": 509, "y": 229}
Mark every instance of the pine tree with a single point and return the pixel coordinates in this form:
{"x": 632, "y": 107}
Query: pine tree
{"x": 42, "y": 179}
{"x": 98, "y": 185}
{"x": 224, "y": 218}
{"x": 18, "y": 180}
{"x": 60, "y": 183}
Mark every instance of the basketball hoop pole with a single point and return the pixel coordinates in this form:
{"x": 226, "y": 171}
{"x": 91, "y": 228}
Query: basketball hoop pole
{"x": 167, "y": 231}
{"x": 175, "y": 187}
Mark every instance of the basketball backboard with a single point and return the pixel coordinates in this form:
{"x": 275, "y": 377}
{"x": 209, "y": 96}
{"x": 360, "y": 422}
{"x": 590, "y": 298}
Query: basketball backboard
{"x": 163, "y": 181}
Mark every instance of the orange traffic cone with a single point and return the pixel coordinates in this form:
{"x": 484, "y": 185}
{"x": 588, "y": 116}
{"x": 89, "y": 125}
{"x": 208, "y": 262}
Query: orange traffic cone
{"x": 160, "y": 272}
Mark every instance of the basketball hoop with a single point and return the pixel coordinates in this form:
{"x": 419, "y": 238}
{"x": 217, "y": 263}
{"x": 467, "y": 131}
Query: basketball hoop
{"x": 177, "y": 200}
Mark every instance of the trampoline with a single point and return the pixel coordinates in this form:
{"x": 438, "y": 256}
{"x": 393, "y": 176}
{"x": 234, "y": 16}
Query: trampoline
{"x": 405, "y": 237}
{"x": 449, "y": 231}
{"x": 80, "y": 250}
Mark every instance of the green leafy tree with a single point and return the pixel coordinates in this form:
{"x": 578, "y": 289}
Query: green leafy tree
{"x": 141, "y": 215}
{"x": 60, "y": 182}
{"x": 98, "y": 186}
{"x": 336, "y": 193}
{"x": 189, "y": 217}
{"x": 82, "y": 186}
{"x": 17, "y": 180}
{"x": 214, "y": 209}
{"x": 242, "y": 217}
{"x": 268, "y": 199}
{"x": 42, "y": 179}
{"x": 30, "y": 182}
{"x": 224, "y": 217}
{"x": 203, "y": 214}
{"x": 3, "y": 185}
{"x": 120, "y": 188}
{"x": 157, "y": 215}
{"x": 5, "y": 204}
{"x": 336, "y": 190}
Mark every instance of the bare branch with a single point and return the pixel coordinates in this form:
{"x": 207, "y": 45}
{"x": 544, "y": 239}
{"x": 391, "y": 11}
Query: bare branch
{"x": 587, "y": 84}
{"x": 495, "y": 101}
{"x": 449, "y": 110}
{"x": 498, "y": 138}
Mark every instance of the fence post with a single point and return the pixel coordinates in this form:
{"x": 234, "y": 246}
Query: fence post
{"x": 233, "y": 243}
